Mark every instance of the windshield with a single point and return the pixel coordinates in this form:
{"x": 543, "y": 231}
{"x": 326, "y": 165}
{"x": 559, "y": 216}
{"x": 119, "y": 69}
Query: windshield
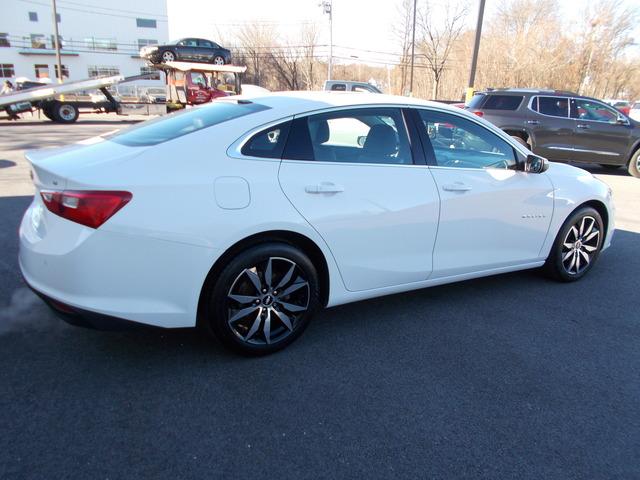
{"x": 182, "y": 123}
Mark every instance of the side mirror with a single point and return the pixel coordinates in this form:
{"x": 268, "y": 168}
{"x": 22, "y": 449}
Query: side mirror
{"x": 622, "y": 120}
{"x": 361, "y": 140}
{"x": 535, "y": 164}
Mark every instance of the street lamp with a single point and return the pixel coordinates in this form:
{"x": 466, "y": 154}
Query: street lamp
{"x": 326, "y": 8}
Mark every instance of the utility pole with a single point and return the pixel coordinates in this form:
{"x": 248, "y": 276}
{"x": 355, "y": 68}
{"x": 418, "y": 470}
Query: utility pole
{"x": 413, "y": 47}
{"x": 476, "y": 48}
{"x": 327, "y": 7}
{"x": 56, "y": 41}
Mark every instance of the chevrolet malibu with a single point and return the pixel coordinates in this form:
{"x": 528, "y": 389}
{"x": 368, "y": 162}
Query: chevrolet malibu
{"x": 247, "y": 215}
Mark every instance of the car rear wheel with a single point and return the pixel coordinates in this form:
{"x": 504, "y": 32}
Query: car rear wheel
{"x": 634, "y": 164}
{"x": 521, "y": 141}
{"x": 577, "y": 246}
{"x": 168, "y": 56}
{"x": 263, "y": 299}
{"x": 218, "y": 60}
{"x": 65, "y": 112}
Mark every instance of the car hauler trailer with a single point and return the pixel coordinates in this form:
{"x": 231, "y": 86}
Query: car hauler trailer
{"x": 50, "y": 100}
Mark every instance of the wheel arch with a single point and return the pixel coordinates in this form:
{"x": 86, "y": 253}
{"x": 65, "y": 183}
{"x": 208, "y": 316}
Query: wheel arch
{"x": 304, "y": 243}
{"x": 634, "y": 148}
{"x": 601, "y": 208}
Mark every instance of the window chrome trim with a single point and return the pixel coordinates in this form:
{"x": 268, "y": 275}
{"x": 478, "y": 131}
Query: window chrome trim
{"x": 235, "y": 149}
{"x": 582, "y": 150}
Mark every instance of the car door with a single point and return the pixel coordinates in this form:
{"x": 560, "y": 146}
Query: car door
{"x": 188, "y": 49}
{"x": 492, "y": 215}
{"x": 205, "y": 51}
{"x": 550, "y": 128}
{"x": 598, "y": 136}
{"x": 351, "y": 174}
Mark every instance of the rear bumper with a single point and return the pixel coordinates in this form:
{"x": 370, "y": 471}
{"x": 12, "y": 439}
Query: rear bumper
{"x": 84, "y": 318}
{"x": 103, "y": 278}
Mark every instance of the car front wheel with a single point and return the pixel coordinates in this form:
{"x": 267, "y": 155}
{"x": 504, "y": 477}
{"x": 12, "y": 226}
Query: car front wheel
{"x": 168, "y": 56}
{"x": 263, "y": 299}
{"x": 577, "y": 246}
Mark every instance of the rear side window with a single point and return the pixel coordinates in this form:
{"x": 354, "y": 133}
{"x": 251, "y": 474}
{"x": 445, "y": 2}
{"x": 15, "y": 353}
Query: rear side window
{"x": 476, "y": 100}
{"x": 268, "y": 143}
{"x": 502, "y": 102}
{"x": 553, "y": 106}
{"x": 184, "y": 122}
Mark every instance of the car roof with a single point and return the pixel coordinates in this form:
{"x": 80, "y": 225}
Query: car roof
{"x": 534, "y": 91}
{"x": 303, "y": 101}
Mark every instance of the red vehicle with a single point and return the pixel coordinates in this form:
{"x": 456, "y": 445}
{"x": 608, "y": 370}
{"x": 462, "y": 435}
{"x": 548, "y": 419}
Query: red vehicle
{"x": 194, "y": 84}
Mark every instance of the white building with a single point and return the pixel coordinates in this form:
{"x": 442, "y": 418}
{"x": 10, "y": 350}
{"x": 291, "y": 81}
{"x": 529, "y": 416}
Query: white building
{"x": 97, "y": 37}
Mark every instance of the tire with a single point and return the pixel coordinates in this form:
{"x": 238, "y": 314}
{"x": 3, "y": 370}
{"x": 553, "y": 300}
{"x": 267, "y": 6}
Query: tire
{"x": 609, "y": 167}
{"x": 243, "y": 300}
{"x": 168, "y": 56}
{"x": 64, "y": 112}
{"x": 521, "y": 141}
{"x": 46, "y": 110}
{"x": 218, "y": 60}
{"x": 634, "y": 164}
{"x": 577, "y": 231}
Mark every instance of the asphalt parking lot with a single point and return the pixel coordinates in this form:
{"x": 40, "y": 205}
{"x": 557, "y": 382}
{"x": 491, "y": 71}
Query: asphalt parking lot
{"x": 512, "y": 376}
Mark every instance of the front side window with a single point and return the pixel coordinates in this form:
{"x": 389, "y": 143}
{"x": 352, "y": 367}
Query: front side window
{"x": 268, "y": 143}
{"x": 363, "y": 135}
{"x": 461, "y": 143}
{"x": 183, "y": 122}
{"x": 589, "y": 110}
{"x": 553, "y": 106}
{"x": 338, "y": 87}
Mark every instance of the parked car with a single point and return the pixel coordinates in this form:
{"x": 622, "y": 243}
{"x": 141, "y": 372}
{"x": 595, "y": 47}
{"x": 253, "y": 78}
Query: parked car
{"x": 187, "y": 50}
{"x": 623, "y": 105}
{"x": 349, "y": 86}
{"x": 634, "y": 113}
{"x": 258, "y": 211}
{"x": 563, "y": 126}
{"x": 154, "y": 95}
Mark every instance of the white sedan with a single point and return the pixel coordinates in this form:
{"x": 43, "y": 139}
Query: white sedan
{"x": 247, "y": 215}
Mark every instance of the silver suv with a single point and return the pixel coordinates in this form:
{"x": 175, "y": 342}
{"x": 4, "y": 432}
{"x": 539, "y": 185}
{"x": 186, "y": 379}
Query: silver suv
{"x": 563, "y": 126}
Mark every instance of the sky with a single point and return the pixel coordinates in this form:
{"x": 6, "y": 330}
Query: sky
{"x": 361, "y": 28}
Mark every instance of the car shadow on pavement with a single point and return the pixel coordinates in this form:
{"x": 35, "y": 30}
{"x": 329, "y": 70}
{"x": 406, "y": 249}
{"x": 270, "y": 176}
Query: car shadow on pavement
{"x": 7, "y": 163}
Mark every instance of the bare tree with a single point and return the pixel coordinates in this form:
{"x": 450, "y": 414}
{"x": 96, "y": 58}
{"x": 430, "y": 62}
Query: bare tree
{"x": 437, "y": 38}
{"x": 401, "y": 29}
{"x": 309, "y": 35}
{"x": 254, "y": 43}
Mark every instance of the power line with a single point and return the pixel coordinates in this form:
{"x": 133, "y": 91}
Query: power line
{"x": 111, "y": 9}
{"x": 34, "y": 2}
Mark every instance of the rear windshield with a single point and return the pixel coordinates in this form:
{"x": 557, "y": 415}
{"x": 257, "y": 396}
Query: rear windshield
{"x": 184, "y": 122}
{"x": 503, "y": 102}
{"x": 476, "y": 100}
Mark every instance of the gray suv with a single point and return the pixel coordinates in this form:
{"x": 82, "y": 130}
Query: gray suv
{"x": 563, "y": 126}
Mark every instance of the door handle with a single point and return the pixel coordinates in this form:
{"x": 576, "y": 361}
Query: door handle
{"x": 533, "y": 122}
{"x": 582, "y": 125}
{"x": 324, "y": 187}
{"x": 456, "y": 187}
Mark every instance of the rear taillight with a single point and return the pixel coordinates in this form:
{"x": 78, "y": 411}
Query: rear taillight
{"x": 90, "y": 208}
{"x": 478, "y": 113}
